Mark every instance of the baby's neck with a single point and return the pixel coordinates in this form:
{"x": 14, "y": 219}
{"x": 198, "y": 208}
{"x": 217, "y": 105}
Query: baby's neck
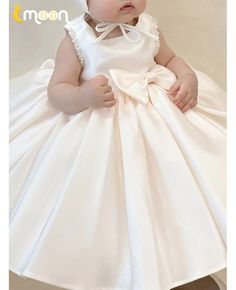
{"x": 115, "y": 32}
{"x": 132, "y": 22}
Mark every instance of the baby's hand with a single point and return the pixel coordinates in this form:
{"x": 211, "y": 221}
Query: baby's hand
{"x": 97, "y": 93}
{"x": 184, "y": 92}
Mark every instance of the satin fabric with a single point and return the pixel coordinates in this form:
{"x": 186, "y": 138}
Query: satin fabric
{"x": 131, "y": 197}
{"x": 117, "y": 52}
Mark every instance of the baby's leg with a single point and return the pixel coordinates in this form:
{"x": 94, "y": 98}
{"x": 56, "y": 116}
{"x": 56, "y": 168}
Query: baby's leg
{"x": 205, "y": 283}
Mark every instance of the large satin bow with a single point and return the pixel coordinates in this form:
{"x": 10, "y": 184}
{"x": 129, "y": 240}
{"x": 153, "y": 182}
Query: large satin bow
{"x": 138, "y": 86}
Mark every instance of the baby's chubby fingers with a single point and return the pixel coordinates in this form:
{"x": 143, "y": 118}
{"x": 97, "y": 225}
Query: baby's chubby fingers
{"x": 107, "y": 89}
{"x": 184, "y": 101}
{"x": 192, "y": 103}
{"x": 174, "y": 89}
{"x": 102, "y": 80}
{"x": 109, "y": 96}
{"x": 109, "y": 99}
{"x": 98, "y": 93}
{"x": 180, "y": 96}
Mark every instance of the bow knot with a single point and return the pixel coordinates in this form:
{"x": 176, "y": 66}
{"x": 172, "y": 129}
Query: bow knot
{"x": 138, "y": 86}
{"x": 151, "y": 77}
{"x": 107, "y": 27}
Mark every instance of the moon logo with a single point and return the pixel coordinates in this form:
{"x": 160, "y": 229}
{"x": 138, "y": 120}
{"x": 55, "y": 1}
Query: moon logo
{"x": 16, "y": 13}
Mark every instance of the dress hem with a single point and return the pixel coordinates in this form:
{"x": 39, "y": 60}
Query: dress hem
{"x": 38, "y": 278}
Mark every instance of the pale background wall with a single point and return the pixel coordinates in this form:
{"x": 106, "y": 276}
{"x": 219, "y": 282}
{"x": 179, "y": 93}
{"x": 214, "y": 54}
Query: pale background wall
{"x": 196, "y": 31}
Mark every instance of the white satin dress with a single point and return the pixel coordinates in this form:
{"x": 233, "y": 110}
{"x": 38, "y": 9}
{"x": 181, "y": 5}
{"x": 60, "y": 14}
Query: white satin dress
{"x": 131, "y": 197}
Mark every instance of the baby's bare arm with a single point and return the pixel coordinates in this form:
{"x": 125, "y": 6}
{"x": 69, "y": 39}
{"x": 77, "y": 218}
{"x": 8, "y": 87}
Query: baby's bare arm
{"x": 184, "y": 91}
{"x": 63, "y": 90}
{"x": 167, "y": 58}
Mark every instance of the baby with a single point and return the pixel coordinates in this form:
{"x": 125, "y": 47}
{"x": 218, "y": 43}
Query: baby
{"x": 67, "y": 94}
{"x": 129, "y": 192}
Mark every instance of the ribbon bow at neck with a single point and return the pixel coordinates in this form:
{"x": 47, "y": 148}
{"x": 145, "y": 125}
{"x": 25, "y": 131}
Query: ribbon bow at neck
{"x": 107, "y": 27}
{"x": 139, "y": 86}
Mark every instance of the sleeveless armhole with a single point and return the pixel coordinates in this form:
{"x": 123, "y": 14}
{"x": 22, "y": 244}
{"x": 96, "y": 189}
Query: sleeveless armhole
{"x": 156, "y": 33}
{"x": 70, "y": 30}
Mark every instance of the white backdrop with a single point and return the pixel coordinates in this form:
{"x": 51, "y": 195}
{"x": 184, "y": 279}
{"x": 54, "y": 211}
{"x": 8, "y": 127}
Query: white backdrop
{"x": 196, "y": 31}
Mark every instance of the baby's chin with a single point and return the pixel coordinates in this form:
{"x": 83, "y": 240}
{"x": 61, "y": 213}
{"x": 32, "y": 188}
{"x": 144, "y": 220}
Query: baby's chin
{"x": 128, "y": 19}
{"x": 120, "y": 17}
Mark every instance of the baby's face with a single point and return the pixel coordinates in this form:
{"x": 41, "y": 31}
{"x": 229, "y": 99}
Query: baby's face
{"x": 111, "y": 10}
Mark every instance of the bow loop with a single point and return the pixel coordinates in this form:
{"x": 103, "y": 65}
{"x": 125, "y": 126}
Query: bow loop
{"x": 138, "y": 86}
{"x": 107, "y": 27}
{"x": 103, "y": 26}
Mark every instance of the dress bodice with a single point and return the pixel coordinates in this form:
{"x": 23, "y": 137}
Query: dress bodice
{"x": 117, "y": 52}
